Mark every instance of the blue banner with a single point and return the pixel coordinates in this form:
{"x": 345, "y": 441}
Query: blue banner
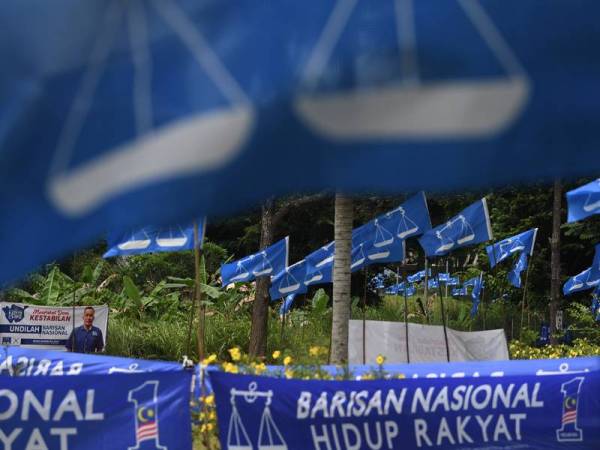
{"x": 514, "y": 275}
{"x": 135, "y": 411}
{"x": 155, "y": 239}
{"x": 289, "y": 281}
{"x": 520, "y": 243}
{"x": 416, "y": 277}
{"x": 584, "y": 201}
{"x": 319, "y": 265}
{"x": 18, "y": 361}
{"x": 471, "y": 226}
{"x": 340, "y": 95}
{"x": 267, "y": 262}
{"x": 531, "y": 411}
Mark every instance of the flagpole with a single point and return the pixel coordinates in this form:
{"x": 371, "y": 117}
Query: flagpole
{"x": 364, "y": 318}
{"x": 437, "y": 273}
{"x": 201, "y": 310}
{"x": 524, "y": 298}
{"x": 447, "y": 273}
{"x": 405, "y": 310}
{"x": 426, "y": 293}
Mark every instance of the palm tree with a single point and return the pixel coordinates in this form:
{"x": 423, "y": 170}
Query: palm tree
{"x": 341, "y": 279}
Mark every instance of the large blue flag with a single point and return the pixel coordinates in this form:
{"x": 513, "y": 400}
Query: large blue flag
{"x": 471, "y": 226}
{"x": 519, "y": 243}
{"x": 267, "y": 262}
{"x": 514, "y": 275}
{"x": 289, "y": 281}
{"x": 148, "y": 112}
{"x": 154, "y": 239}
{"x": 584, "y": 201}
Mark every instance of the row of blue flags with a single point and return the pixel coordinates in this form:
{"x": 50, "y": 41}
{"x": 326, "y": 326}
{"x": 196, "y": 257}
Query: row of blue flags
{"x": 153, "y": 239}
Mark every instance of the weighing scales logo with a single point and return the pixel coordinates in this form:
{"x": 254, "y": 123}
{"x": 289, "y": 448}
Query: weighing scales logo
{"x": 569, "y": 431}
{"x": 14, "y": 313}
{"x": 269, "y": 436}
{"x": 145, "y": 406}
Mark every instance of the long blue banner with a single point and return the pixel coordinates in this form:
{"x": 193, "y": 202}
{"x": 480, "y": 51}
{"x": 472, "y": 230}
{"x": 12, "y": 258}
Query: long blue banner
{"x": 537, "y": 411}
{"x": 135, "y": 411}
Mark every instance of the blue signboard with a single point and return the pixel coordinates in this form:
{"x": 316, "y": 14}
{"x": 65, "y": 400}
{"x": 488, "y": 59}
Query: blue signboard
{"x": 530, "y": 411}
{"x": 154, "y": 239}
{"x": 267, "y": 262}
{"x": 471, "y": 226}
{"x": 148, "y": 112}
{"x": 134, "y": 411}
{"x": 520, "y": 243}
{"x": 584, "y": 201}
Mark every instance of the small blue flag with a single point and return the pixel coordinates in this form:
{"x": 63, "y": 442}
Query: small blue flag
{"x": 416, "y": 277}
{"x": 289, "y": 281}
{"x": 443, "y": 277}
{"x": 154, "y": 239}
{"x": 319, "y": 265}
{"x": 476, "y": 294}
{"x": 432, "y": 283}
{"x": 460, "y": 292}
{"x": 453, "y": 281}
{"x": 286, "y": 305}
{"x": 267, "y": 262}
{"x": 514, "y": 276}
{"x": 471, "y": 226}
{"x": 584, "y": 201}
{"x": 520, "y": 243}
{"x": 587, "y": 279}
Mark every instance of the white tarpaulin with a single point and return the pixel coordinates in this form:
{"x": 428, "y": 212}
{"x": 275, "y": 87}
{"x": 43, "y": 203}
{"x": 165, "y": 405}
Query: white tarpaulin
{"x": 426, "y": 343}
{"x": 47, "y": 327}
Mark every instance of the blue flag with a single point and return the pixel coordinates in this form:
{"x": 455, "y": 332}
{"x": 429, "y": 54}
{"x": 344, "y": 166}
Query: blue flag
{"x": 339, "y": 95}
{"x": 289, "y": 281}
{"x": 453, "y": 281}
{"x": 584, "y": 201}
{"x": 432, "y": 283}
{"x": 154, "y": 239}
{"x": 514, "y": 276}
{"x": 476, "y": 294}
{"x": 460, "y": 292}
{"x": 471, "y": 226}
{"x": 286, "y": 305}
{"x": 267, "y": 262}
{"x": 520, "y": 243}
{"x": 587, "y": 279}
{"x": 418, "y": 276}
{"x": 319, "y": 265}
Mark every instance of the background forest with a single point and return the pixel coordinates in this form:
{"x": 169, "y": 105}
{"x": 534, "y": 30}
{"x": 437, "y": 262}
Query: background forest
{"x": 150, "y": 296}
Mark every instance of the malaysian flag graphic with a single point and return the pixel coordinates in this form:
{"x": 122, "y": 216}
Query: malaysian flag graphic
{"x": 569, "y": 410}
{"x": 147, "y": 427}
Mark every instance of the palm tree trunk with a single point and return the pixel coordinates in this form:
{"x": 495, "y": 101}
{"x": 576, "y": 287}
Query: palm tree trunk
{"x": 341, "y": 279}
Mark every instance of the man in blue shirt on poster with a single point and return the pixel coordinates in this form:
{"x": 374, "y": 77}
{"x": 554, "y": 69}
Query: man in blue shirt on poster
{"x": 87, "y": 338}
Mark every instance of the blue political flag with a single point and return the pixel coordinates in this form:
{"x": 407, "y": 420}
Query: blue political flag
{"x": 471, "y": 226}
{"x": 286, "y": 305}
{"x": 453, "y": 281}
{"x": 289, "y": 281}
{"x": 460, "y": 292}
{"x": 319, "y": 265}
{"x": 584, "y": 201}
{"x": 470, "y": 282}
{"x": 267, "y": 262}
{"x": 476, "y": 294}
{"x": 154, "y": 239}
{"x": 443, "y": 277}
{"x": 418, "y": 276}
{"x": 120, "y": 102}
{"x": 432, "y": 283}
{"x": 514, "y": 275}
{"x": 519, "y": 243}
{"x": 587, "y": 279}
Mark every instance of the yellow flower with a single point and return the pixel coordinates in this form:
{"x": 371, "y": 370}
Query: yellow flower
{"x": 209, "y": 426}
{"x": 209, "y": 399}
{"x": 314, "y": 351}
{"x": 211, "y": 359}
{"x": 260, "y": 368}
{"x": 276, "y": 354}
{"x": 287, "y": 360}
{"x": 231, "y": 368}
{"x": 235, "y": 353}
{"x": 380, "y": 359}
{"x": 289, "y": 373}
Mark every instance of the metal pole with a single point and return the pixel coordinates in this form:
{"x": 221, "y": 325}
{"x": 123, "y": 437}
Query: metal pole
{"x": 364, "y": 318}
{"x": 447, "y": 273}
{"x": 437, "y": 272}
{"x": 73, "y": 331}
{"x": 406, "y": 312}
{"x": 426, "y": 293}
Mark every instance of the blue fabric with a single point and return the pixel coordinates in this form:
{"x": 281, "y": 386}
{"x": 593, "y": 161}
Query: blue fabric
{"x": 286, "y": 305}
{"x": 453, "y": 281}
{"x": 514, "y": 275}
{"x": 289, "y": 281}
{"x": 519, "y": 243}
{"x": 215, "y": 106}
{"x": 267, "y": 262}
{"x": 460, "y": 292}
{"x": 469, "y": 227}
{"x": 85, "y": 341}
{"x": 416, "y": 277}
{"x": 154, "y": 239}
{"x": 96, "y": 412}
{"x": 587, "y": 279}
{"x": 534, "y": 411}
{"x": 432, "y": 283}
{"x": 583, "y": 201}
{"x": 478, "y": 285}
